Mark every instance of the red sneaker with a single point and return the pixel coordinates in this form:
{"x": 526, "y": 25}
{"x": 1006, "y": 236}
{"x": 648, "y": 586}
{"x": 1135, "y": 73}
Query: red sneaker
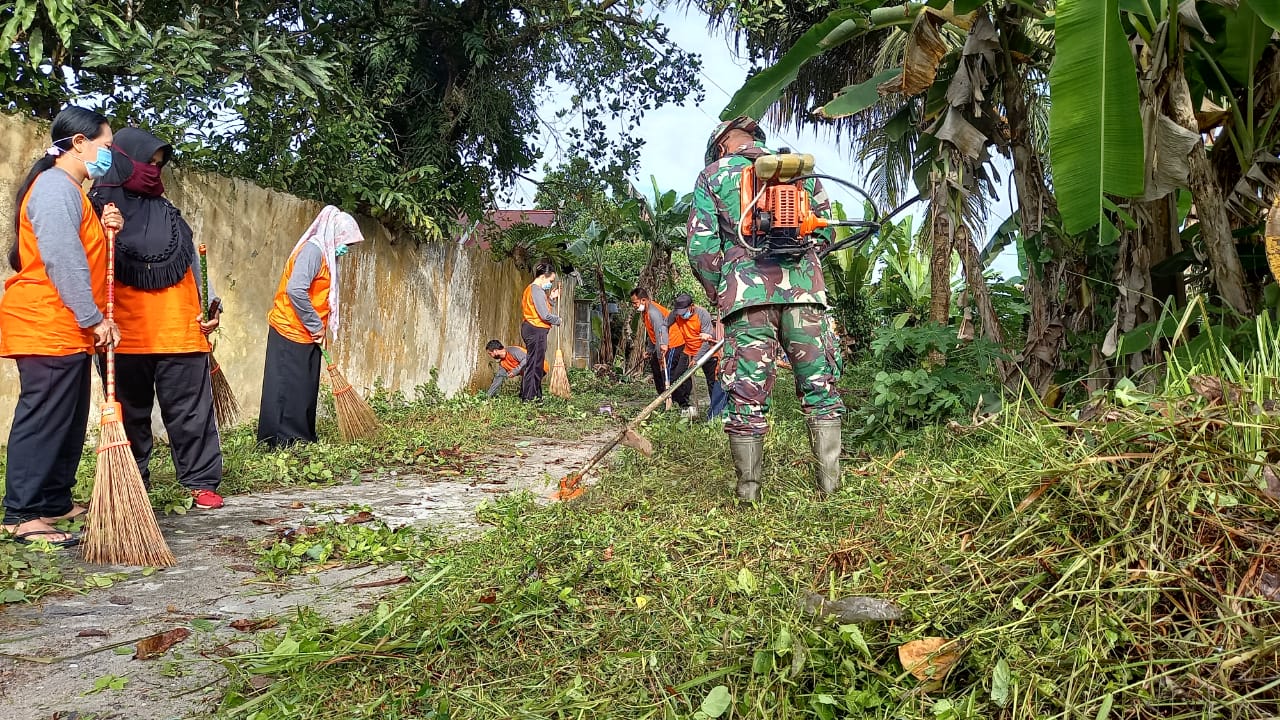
{"x": 207, "y": 499}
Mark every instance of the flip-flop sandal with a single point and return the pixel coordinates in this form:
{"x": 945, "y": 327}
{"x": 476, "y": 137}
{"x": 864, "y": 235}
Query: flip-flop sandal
{"x": 25, "y": 538}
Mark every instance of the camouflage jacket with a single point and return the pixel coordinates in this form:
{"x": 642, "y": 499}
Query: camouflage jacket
{"x": 727, "y": 272}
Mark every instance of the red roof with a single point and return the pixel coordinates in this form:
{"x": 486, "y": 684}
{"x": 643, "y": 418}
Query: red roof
{"x": 480, "y": 233}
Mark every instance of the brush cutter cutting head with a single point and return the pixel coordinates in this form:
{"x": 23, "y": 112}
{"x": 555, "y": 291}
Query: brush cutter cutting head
{"x": 570, "y": 487}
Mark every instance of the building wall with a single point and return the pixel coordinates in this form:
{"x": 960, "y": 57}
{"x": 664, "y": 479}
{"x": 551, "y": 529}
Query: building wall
{"x": 406, "y": 308}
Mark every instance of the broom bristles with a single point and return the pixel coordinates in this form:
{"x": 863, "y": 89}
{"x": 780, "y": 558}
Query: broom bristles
{"x": 226, "y": 408}
{"x": 356, "y": 420}
{"x": 122, "y": 529}
{"x": 560, "y": 378}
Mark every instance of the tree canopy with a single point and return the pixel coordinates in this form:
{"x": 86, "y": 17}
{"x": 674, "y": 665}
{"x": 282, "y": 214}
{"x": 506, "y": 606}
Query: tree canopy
{"x": 407, "y": 110}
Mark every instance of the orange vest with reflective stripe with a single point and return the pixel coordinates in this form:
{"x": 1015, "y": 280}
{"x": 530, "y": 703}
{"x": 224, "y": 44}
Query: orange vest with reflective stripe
{"x": 530, "y": 311}
{"x": 160, "y": 322}
{"x": 33, "y": 318}
{"x": 283, "y": 317}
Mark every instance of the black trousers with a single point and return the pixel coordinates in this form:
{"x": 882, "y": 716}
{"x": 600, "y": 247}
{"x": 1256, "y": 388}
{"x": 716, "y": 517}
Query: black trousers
{"x": 290, "y": 389}
{"x": 655, "y": 367}
{"x": 47, "y": 437}
{"x": 181, "y": 383}
{"x": 685, "y": 390}
{"x": 535, "y": 343}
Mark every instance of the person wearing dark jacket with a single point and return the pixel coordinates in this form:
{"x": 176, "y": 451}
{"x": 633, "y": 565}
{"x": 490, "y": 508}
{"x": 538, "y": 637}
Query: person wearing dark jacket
{"x": 163, "y": 354}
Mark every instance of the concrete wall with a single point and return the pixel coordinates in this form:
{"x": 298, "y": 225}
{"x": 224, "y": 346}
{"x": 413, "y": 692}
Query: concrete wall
{"x": 406, "y": 308}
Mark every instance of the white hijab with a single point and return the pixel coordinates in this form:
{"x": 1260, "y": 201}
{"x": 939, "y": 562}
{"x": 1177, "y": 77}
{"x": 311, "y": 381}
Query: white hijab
{"x": 331, "y": 229}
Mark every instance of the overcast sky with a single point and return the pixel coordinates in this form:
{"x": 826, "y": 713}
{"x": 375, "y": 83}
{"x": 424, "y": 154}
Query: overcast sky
{"x": 676, "y": 136}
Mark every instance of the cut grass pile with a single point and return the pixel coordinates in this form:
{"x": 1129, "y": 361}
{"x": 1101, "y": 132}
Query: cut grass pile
{"x": 1113, "y": 563}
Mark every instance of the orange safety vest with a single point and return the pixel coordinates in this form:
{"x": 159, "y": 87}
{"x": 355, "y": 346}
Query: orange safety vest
{"x": 33, "y": 318}
{"x": 530, "y": 311}
{"x": 690, "y": 330}
{"x": 648, "y": 324}
{"x": 510, "y": 362}
{"x": 160, "y": 322}
{"x": 675, "y": 336}
{"x": 283, "y": 317}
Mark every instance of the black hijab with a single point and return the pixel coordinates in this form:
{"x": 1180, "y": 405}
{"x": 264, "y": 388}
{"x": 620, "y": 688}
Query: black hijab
{"x": 155, "y": 249}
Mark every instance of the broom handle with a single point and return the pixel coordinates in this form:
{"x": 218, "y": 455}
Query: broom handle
{"x": 204, "y": 280}
{"x": 110, "y": 379}
{"x": 648, "y": 410}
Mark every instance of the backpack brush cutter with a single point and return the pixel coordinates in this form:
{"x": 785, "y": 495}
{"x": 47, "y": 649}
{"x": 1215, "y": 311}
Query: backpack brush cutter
{"x": 778, "y": 221}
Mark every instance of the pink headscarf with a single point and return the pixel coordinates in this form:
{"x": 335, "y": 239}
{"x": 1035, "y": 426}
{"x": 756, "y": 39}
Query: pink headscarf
{"x": 331, "y": 229}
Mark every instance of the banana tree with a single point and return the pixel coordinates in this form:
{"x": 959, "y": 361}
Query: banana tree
{"x": 659, "y": 223}
{"x": 589, "y": 252}
{"x": 1106, "y": 129}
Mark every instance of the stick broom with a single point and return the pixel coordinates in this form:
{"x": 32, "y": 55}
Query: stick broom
{"x": 559, "y": 375}
{"x": 122, "y": 528}
{"x": 225, "y": 406}
{"x": 356, "y": 420}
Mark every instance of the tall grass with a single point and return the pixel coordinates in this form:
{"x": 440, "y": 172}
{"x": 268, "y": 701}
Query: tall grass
{"x": 1112, "y": 562}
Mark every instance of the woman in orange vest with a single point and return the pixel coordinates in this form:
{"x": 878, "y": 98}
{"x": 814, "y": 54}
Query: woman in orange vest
{"x": 538, "y": 320}
{"x": 164, "y": 349}
{"x": 305, "y": 311}
{"x": 51, "y": 321}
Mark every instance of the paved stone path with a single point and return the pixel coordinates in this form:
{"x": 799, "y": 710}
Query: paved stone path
{"x": 215, "y": 584}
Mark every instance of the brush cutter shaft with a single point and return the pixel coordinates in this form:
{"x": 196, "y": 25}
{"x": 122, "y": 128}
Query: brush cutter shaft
{"x": 648, "y": 410}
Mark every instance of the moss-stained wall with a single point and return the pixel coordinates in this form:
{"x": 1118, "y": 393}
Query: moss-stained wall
{"x": 406, "y": 308}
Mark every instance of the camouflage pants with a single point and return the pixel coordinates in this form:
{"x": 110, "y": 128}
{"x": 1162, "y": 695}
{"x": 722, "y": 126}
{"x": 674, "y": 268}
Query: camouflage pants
{"x": 753, "y": 338}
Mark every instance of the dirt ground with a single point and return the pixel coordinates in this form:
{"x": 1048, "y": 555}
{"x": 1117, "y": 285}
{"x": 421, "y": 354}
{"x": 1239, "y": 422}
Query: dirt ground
{"x": 52, "y": 653}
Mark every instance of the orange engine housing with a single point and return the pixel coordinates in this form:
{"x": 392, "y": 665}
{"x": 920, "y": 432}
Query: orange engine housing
{"x": 787, "y": 203}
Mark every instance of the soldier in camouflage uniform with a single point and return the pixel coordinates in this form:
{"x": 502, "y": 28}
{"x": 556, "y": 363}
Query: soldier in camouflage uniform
{"x": 767, "y": 304}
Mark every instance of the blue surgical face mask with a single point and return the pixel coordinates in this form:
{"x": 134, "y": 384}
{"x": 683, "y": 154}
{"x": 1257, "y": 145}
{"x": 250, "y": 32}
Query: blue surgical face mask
{"x": 99, "y": 166}
{"x": 96, "y": 167}
{"x": 341, "y": 250}
{"x": 686, "y": 314}
{"x": 546, "y": 286}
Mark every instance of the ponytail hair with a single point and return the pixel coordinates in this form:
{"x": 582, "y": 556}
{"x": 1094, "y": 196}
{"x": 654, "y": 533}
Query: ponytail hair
{"x": 70, "y": 122}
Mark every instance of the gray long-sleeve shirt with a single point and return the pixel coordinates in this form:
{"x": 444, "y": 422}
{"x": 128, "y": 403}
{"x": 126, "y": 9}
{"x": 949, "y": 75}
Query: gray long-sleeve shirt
{"x": 305, "y": 269}
{"x": 542, "y": 307}
{"x": 56, "y": 209}
{"x": 502, "y": 373}
{"x": 658, "y": 322}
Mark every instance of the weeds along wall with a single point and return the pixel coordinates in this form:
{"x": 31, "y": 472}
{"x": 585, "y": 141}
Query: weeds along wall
{"x": 407, "y": 308}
